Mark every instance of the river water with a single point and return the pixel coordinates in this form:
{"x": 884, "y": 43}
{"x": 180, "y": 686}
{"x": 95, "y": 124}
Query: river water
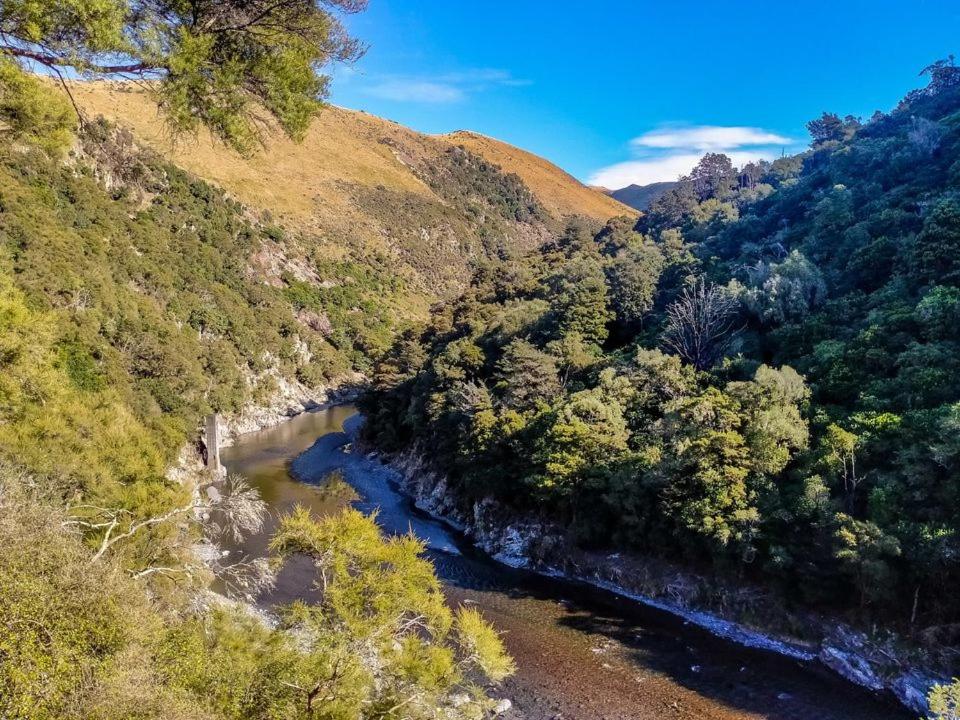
{"x": 582, "y": 653}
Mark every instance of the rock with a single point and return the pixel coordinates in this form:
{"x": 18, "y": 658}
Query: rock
{"x": 912, "y": 688}
{"x": 459, "y": 699}
{"x": 853, "y": 667}
{"x": 503, "y": 705}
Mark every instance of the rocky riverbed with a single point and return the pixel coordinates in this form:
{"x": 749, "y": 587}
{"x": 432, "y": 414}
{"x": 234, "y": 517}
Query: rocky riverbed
{"x": 876, "y": 664}
{"x": 583, "y": 653}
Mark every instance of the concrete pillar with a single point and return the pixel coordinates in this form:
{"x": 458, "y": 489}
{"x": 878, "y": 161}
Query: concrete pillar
{"x": 213, "y": 443}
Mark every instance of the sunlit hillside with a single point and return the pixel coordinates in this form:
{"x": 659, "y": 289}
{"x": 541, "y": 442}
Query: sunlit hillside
{"x": 561, "y": 193}
{"x": 370, "y": 186}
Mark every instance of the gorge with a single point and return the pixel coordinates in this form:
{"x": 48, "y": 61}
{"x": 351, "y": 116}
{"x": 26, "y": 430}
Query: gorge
{"x": 582, "y": 652}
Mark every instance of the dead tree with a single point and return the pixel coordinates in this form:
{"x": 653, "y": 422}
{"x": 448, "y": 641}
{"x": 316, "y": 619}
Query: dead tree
{"x": 701, "y": 324}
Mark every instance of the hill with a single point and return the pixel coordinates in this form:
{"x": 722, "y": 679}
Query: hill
{"x": 641, "y": 197}
{"x": 135, "y": 298}
{"x": 559, "y": 192}
{"x": 373, "y": 189}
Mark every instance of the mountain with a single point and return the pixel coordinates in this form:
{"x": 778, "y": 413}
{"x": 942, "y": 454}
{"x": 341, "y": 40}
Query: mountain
{"x": 641, "y": 197}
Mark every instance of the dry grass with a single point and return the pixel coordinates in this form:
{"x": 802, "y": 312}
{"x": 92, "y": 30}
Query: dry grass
{"x": 289, "y": 178}
{"x": 561, "y": 193}
{"x": 352, "y": 186}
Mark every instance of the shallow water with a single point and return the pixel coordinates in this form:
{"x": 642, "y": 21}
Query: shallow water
{"x": 582, "y": 653}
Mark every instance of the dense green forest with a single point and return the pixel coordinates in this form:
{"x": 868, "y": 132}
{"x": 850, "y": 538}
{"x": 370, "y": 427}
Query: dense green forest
{"x": 760, "y": 376}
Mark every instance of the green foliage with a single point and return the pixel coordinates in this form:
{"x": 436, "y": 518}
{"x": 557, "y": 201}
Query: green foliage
{"x": 803, "y": 430}
{"x": 82, "y": 639}
{"x": 945, "y": 701}
{"x": 527, "y": 376}
{"x": 215, "y": 65}
{"x": 31, "y": 110}
{"x": 633, "y": 275}
{"x": 784, "y": 292}
{"x": 864, "y": 552}
{"x": 382, "y": 606}
{"x": 579, "y": 299}
{"x": 79, "y": 636}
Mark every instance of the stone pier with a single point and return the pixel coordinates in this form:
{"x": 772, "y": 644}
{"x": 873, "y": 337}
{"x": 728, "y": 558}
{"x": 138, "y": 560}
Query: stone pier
{"x": 213, "y": 444}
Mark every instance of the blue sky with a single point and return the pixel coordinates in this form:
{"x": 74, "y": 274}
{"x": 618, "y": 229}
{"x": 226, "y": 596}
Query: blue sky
{"x": 616, "y": 91}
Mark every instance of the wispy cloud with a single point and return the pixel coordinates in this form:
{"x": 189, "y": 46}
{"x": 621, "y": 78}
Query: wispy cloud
{"x": 443, "y": 88}
{"x": 669, "y": 152}
{"x": 708, "y": 138}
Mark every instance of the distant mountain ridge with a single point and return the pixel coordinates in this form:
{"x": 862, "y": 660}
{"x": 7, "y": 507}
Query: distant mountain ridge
{"x": 641, "y": 197}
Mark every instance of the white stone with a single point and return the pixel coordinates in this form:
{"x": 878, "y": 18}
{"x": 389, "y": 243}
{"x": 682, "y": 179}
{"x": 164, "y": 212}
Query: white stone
{"x": 853, "y": 667}
{"x": 502, "y": 706}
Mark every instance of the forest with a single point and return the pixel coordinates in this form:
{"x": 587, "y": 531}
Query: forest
{"x": 758, "y": 377}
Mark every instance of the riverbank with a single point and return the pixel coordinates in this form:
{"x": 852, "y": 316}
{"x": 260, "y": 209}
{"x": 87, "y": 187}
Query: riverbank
{"x": 582, "y": 653}
{"x": 879, "y": 664}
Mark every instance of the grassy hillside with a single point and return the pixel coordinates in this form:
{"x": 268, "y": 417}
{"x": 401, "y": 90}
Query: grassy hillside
{"x": 136, "y": 297}
{"x": 558, "y": 191}
{"x": 372, "y": 189}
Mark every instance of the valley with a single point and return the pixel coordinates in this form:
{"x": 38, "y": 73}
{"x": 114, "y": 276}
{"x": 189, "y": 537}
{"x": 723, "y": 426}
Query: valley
{"x": 670, "y": 431}
{"x": 582, "y": 652}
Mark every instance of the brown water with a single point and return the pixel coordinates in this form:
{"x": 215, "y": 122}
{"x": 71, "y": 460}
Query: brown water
{"x": 582, "y": 653}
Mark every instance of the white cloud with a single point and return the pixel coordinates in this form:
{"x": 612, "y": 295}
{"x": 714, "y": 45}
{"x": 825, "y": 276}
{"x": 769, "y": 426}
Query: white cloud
{"x": 668, "y": 167}
{"x": 448, "y": 87}
{"x": 708, "y": 138}
{"x": 669, "y": 152}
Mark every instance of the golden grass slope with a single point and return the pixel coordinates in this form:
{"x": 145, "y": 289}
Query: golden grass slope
{"x": 361, "y": 187}
{"x": 559, "y": 192}
{"x": 286, "y": 177}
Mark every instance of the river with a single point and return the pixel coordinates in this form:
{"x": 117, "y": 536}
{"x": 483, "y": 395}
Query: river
{"x": 582, "y": 653}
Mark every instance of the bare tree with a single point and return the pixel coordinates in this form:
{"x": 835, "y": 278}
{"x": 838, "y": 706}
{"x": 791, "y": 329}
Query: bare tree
{"x": 701, "y": 324}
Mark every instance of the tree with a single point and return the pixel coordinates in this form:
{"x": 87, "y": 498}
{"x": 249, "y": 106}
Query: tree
{"x": 944, "y": 74}
{"x": 707, "y": 489}
{"x": 773, "y": 425}
{"x": 713, "y": 177}
{"x": 580, "y": 300}
{"x": 632, "y": 278}
{"x": 221, "y": 510}
{"x": 527, "y": 376}
{"x": 784, "y": 292}
{"x": 381, "y": 605}
{"x": 864, "y": 552}
{"x": 839, "y": 449}
{"x": 219, "y": 64}
{"x": 830, "y": 128}
{"x": 945, "y": 701}
{"x": 619, "y": 233}
{"x": 936, "y": 255}
{"x": 826, "y": 128}
{"x": 586, "y": 433}
{"x": 701, "y": 324}
{"x": 30, "y": 110}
